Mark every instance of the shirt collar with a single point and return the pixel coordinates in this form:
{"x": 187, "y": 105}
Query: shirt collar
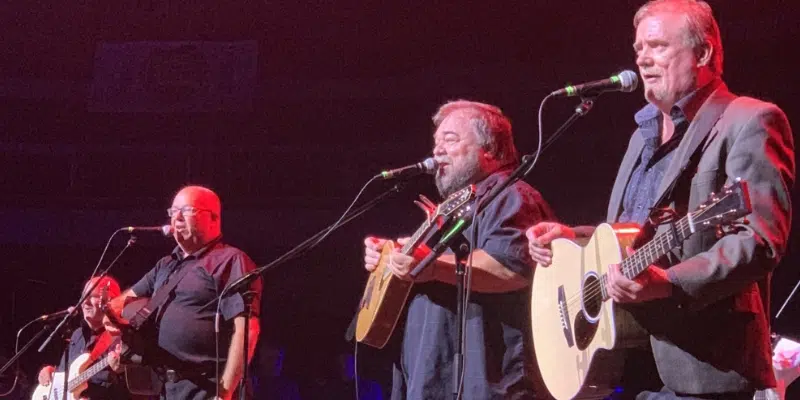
{"x": 177, "y": 252}
{"x": 492, "y": 179}
{"x": 686, "y": 107}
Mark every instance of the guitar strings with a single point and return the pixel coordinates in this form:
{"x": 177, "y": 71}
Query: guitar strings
{"x": 595, "y": 288}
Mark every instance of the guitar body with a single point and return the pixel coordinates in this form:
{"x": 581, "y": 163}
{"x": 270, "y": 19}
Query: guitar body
{"x": 382, "y": 303}
{"x": 54, "y": 390}
{"x": 580, "y": 355}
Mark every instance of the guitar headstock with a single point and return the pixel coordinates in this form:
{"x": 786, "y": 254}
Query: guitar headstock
{"x": 456, "y": 201}
{"x": 724, "y": 208}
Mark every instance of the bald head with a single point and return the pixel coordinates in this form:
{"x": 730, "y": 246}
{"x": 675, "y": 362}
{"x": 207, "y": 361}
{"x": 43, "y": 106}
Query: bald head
{"x": 203, "y": 197}
{"x": 196, "y": 217}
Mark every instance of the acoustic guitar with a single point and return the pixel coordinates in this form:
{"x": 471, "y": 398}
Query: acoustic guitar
{"x": 578, "y": 335}
{"x": 385, "y": 294}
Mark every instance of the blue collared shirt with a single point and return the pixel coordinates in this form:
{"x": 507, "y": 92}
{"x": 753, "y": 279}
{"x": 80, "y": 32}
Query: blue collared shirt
{"x": 642, "y": 190}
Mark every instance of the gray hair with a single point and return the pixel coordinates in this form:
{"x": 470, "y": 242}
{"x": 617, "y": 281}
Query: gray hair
{"x": 492, "y": 127}
{"x": 702, "y": 27}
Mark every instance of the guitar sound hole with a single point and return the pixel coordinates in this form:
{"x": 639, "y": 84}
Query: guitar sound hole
{"x": 586, "y": 321}
{"x": 592, "y": 297}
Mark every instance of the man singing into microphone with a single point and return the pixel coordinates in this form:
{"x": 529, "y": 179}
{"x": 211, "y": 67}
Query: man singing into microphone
{"x": 473, "y": 144}
{"x": 705, "y": 305}
{"x": 186, "y": 338}
{"x": 90, "y": 338}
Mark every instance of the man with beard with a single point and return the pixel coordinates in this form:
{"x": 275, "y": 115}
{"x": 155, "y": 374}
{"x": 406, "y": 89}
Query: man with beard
{"x": 473, "y": 144}
{"x": 91, "y": 337}
{"x": 705, "y": 304}
{"x": 186, "y": 342}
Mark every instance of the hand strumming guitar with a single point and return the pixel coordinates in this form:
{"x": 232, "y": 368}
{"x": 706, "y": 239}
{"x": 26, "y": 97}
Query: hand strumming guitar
{"x": 539, "y": 238}
{"x": 400, "y": 264}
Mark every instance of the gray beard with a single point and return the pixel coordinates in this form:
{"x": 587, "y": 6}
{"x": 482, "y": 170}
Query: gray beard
{"x": 452, "y": 183}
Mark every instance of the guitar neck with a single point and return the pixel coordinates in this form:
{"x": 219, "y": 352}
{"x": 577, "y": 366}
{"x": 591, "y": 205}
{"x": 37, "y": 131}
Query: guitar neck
{"x": 90, "y": 372}
{"x": 656, "y": 248}
{"x": 416, "y": 238}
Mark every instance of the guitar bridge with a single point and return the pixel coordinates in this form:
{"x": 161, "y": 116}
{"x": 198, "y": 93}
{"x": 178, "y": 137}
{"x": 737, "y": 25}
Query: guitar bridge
{"x": 563, "y": 312}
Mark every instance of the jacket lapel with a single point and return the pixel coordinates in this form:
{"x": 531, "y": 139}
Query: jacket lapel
{"x": 705, "y": 119}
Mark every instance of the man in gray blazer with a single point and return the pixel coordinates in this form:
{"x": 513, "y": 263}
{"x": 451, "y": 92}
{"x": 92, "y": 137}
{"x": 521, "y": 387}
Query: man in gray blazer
{"x": 706, "y": 305}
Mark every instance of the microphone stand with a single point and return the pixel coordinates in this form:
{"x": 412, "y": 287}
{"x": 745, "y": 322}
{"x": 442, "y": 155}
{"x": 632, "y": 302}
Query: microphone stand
{"x": 455, "y": 232}
{"x": 22, "y": 351}
{"x": 774, "y": 337}
{"x": 242, "y": 284}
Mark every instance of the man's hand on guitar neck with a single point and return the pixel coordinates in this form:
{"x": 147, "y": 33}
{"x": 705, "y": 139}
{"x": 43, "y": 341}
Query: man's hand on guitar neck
{"x": 651, "y": 284}
{"x": 114, "y": 359}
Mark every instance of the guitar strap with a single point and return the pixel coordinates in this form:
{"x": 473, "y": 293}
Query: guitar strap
{"x": 160, "y": 296}
{"x": 102, "y": 344}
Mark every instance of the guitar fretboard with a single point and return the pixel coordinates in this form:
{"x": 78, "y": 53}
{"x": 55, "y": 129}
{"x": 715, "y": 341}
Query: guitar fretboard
{"x": 660, "y": 245}
{"x": 88, "y": 374}
{"x": 91, "y": 371}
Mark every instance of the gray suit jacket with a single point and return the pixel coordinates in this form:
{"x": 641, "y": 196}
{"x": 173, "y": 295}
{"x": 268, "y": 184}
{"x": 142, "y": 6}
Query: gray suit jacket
{"x": 712, "y": 336}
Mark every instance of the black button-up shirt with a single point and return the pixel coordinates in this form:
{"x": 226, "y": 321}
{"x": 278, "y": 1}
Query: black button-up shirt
{"x": 499, "y": 354}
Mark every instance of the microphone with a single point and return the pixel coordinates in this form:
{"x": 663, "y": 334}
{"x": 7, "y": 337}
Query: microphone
{"x": 55, "y": 315}
{"x": 427, "y": 166}
{"x": 625, "y": 81}
{"x": 165, "y": 230}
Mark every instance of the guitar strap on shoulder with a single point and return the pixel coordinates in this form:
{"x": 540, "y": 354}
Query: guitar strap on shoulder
{"x": 159, "y": 297}
{"x": 102, "y": 344}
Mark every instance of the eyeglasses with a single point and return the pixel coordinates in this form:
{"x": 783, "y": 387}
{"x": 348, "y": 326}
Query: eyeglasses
{"x": 187, "y": 211}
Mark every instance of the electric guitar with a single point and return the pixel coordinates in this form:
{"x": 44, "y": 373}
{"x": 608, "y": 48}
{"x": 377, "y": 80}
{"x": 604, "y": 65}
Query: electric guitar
{"x": 385, "y": 294}
{"x": 577, "y": 334}
{"x": 80, "y": 371}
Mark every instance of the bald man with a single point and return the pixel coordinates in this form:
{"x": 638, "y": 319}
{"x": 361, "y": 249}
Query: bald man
{"x": 186, "y": 340}
{"x": 89, "y": 338}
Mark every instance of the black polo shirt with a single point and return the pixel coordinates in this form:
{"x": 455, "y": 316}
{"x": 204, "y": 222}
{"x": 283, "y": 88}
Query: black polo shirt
{"x": 186, "y": 321}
